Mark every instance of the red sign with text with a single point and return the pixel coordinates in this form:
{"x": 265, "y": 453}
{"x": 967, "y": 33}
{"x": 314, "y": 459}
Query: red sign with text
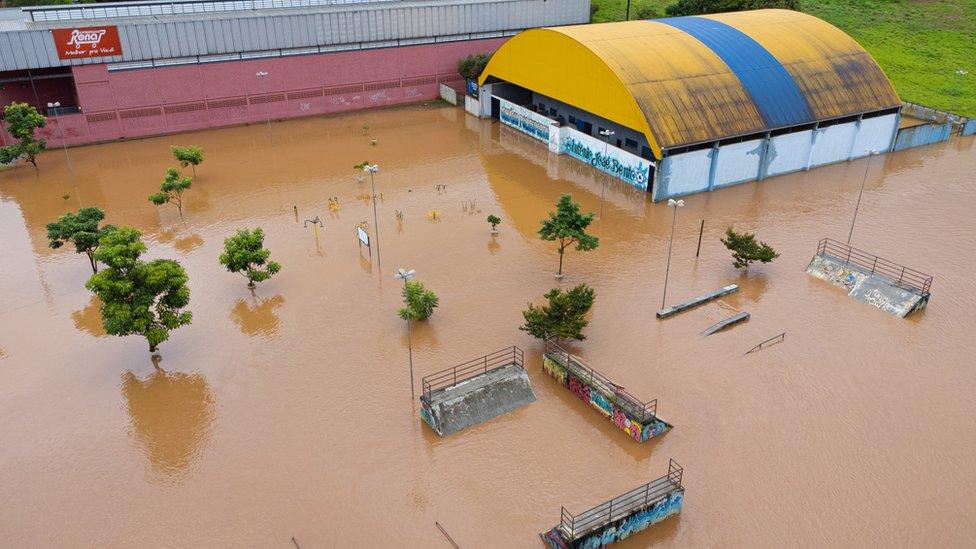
{"x": 83, "y": 42}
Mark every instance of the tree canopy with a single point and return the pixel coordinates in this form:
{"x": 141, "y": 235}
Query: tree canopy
{"x": 567, "y": 226}
{"x": 138, "y": 297}
{"x": 700, "y": 7}
{"x": 420, "y": 302}
{"x": 171, "y": 190}
{"x": 563, "y": 317}
{"x": 471, "y": 67}
{"x": 21, "y": 121}
{"x": 745, "y": 249}
{"x": 80, "y": 229}
{"x": 245, "y": 254}
{"x": 188, "y": 156}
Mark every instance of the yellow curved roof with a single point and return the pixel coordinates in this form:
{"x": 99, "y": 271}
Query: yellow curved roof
{"x": 695, "y": 79}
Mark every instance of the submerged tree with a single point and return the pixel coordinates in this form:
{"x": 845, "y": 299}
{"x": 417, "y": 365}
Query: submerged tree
{"x": 245, "y": 254}
{"x": 21, "y": 121}
{"x": 80, "y": 229}
{"x": 745, "y": 249}
{"x": 171, "y": 190}
{"x": 563, "y": 317}
{"x": 138, "y": 297}
{"x": 420, "y": 301}
{"x": 494, "y": 221}
{"x": 188, "y": 156}
{"x": 567, "y": 226}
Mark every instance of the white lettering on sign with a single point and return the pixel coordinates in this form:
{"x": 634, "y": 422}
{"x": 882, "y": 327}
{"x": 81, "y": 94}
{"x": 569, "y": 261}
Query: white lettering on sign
{"x": 81, "y": 38}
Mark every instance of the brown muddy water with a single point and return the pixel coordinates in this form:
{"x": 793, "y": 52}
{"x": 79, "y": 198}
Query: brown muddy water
{"x": 288, "y": 413}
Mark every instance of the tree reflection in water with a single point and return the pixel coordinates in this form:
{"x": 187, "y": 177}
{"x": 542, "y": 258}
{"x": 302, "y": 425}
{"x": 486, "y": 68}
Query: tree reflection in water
{"x": 171, "y": 415}
{"x": 257, "y": 317}
{"x": 89, "y": 319}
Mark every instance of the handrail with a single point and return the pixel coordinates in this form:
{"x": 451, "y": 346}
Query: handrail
{"x": 576, "y": 526}
{"x": 778, "y": 338}
{"x": 628, "y": 402}
{"x": 452, "y": 376}
{"x": 897, "y": 274}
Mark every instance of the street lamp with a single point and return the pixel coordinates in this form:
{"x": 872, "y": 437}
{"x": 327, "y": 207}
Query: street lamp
{"x": 858, "y": 205}
{"x": 263, "y": 75}
{"x": 675, "y": 204}
{"x": 56, "y": 106}
{"x": 405, "y": 275}
{"x": 372, "y": 169}
{"x": 606, "y": 152}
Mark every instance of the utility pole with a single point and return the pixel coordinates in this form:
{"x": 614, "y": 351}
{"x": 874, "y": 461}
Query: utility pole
{"x": 405, "y": 275}
{"x": 675, "y": 204}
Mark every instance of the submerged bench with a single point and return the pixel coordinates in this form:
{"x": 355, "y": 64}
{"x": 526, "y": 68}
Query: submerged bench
{"x": 475, "y": 391}
{"x": 620, "y": 517}
{"x": 725, "y": 323}
{"x": 636, "y": 418}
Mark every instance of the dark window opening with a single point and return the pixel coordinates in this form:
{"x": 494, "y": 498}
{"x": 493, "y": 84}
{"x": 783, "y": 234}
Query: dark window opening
{"x": 630, "y": 143}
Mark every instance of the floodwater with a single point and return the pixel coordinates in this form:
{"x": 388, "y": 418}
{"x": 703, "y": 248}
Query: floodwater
{"x": 287, "y": 413}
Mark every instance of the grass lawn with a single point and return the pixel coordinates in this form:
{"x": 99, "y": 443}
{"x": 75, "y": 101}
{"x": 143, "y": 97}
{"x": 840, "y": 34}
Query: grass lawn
{"x": 919, "y": 43}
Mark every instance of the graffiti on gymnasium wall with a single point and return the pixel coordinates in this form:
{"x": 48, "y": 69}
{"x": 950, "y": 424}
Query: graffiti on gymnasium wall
{"x": 622, "y": 528}
{"x": 604, "y": 403}
{"x": 524, "y": 120}
{"x": 627, "y": 167}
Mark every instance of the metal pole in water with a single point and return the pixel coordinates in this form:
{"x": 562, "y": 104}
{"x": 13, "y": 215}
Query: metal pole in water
{"x": 671, "y": 204}
{"x": 861, "y": 192}
{"x": 405, "y": 275}
{"x": 700, "y": 231}
{"x": 376, "y": 224}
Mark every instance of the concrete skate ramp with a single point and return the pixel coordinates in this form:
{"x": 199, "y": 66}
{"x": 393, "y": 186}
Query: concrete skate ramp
{"x": 475, "y": 392}
{"x": 866, "y": 287}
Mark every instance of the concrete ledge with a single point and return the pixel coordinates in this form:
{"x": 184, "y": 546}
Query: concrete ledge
{"x": 866, "y": 287}
{"x": 725, "y": 323}
{"x": 619, "y": 528}
{"x": 477, "y": 399}
{"x": 694, "y": 302}
{"x": 622, "y": 409}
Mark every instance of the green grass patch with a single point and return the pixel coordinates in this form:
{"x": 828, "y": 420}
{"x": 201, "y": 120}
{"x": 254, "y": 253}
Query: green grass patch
{"x": 920, "y": 44}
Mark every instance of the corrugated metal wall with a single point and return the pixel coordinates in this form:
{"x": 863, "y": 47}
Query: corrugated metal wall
{"x": 235, "y": 32}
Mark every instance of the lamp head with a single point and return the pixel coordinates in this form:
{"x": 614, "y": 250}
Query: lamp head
{"x": 672, "y": 203}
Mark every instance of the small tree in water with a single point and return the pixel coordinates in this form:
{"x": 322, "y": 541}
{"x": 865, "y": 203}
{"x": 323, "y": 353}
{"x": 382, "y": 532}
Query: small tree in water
{"x": 244, "y": 253}
{"x": 567, "y": 226}
{"x": 563, "y": 317}
{"x": 21, "y": 121}
{"x": 138, "y": 297}
{"x": 494, "y": 221}
{"x": 420, "y": 302}
{"x": 745, "y": 249}
{"x": 80, "y": 229}
{"x": 188, "y": 156}
{"x": 171, "y": 190}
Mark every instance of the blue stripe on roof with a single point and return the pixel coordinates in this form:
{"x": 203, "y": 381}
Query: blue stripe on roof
{"x": 772, "y": 89}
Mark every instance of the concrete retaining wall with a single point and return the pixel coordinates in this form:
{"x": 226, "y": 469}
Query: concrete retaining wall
{"x": 604, "y": 403}
{"x": 448, "y": 94}
{"x": 866, "y": 287}
{"x": 477, "y": 400}
{"x": 622, "y": 528}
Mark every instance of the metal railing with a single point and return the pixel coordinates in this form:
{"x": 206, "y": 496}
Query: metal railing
{"x": 574, "y": 527}
{"x": 778, "y": 338}
{"x": 467, "y": 370}
{"x": 113, "y": 10}
{"x": 897, "y": 274}
{"x": 636, "y": 408}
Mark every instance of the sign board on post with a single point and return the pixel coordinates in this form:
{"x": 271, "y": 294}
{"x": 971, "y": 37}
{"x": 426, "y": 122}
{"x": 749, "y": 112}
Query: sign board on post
{"x": 84, "y": 42}
{"x": 363, "y": 237}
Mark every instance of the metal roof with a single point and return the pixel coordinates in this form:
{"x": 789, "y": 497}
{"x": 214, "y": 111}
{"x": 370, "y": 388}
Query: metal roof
{"x": 697, "y": 79}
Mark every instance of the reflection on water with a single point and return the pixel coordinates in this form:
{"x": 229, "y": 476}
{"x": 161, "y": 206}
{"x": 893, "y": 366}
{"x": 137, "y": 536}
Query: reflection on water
{"x": 171, "y": 414}
{"x": 256, "y": 317}
{"x": 89, "y": 319}
{"x": 493, "y": 246}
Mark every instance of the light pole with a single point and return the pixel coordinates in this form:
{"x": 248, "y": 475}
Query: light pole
{"x": 961, "y": 73}
{"x": 606, "y": 152}
{"x": 405, "y": 275}
{"x": 858, "y": 205}
{"x": 56, "y": 106}
{"x": 675, "y": 204}
{"x": 372, "y": 169}
{"x": 263, "y": 75}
